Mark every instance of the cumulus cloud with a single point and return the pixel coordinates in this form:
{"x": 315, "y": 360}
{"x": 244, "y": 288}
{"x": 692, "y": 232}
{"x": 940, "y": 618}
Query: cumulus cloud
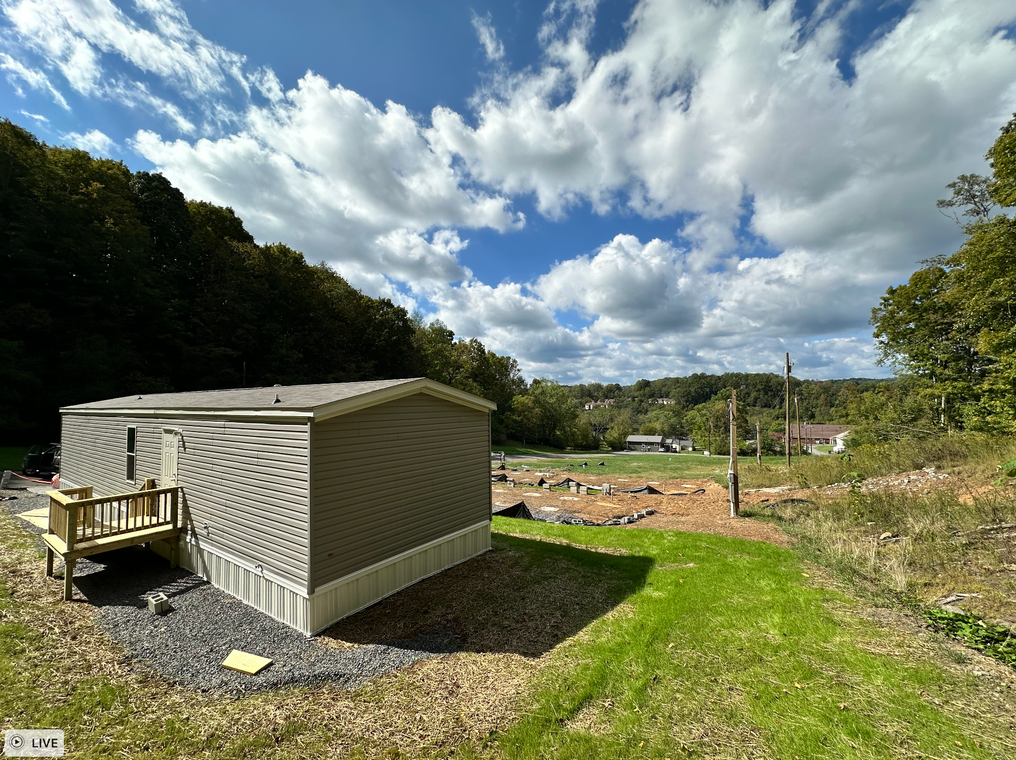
{"x": 93, "y": 141}
{"x": 485, "y": 32}
{"x": 633, "y": 291}
{"x": 331, "y": 174}
{"x": 797, "y": 194}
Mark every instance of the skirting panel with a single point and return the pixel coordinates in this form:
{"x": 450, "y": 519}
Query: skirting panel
{"x": 250, "y": 586}
{"x": 363, "y": 588}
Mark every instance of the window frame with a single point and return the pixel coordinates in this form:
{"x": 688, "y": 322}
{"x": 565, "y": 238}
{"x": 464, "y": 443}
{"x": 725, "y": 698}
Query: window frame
{"x": 131, "y": 452}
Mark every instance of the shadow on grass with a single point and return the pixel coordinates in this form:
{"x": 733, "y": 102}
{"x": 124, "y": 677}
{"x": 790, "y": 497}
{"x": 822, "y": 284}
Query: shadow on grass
{"x": 522, "y": 597}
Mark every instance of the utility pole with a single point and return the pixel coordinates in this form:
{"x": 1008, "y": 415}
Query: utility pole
{"x": 797, "y": 411}
{"x": 758, "y": 443}
{"x": 735, "y": 497}
{"x": 786, "y": 439}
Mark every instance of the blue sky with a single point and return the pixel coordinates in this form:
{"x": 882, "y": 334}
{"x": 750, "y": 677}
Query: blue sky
{"x": 604, "y": 190}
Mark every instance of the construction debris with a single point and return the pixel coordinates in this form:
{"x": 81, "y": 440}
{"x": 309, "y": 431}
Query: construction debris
{"x": 244, "y": 662}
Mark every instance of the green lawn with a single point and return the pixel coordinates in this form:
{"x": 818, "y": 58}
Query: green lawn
{"x": 653, "y": 644}
{"x": 729, "y": 650}
{"x": 651, "y": 466}
{"x": 12, "y": 456}
{"x": 521, "y": 449}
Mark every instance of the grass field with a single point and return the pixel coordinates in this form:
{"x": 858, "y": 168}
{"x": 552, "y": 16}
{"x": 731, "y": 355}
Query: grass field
{"x": 12, "y": 456}
{"x": 604, "y": 643}
{"x": 650, "y": 466}
{"x": 522, "y": 449}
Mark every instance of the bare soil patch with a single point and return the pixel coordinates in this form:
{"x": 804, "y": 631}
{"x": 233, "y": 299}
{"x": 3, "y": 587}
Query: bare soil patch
{"x": 707, "y": 512}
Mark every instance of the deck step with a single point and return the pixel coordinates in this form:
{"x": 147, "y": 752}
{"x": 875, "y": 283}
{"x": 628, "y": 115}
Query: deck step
{"x": 108, "y": 543}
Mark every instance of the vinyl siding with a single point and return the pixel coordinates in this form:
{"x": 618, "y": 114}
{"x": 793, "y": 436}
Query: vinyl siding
{"x": 245, "y": 480}
{"x": 365, "y": 587}
{"x": 390, "y": 478}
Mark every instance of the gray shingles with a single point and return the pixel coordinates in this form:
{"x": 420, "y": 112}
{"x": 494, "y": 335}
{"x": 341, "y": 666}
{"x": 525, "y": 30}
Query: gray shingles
{"x": 290, "y": 397}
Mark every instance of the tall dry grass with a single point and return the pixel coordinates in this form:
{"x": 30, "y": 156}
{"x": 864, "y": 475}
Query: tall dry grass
{"x": 937, "y": 543}
{"x": 971, "y": 455}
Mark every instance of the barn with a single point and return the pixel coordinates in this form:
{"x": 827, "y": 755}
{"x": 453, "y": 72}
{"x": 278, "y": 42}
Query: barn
{"x": 308, "y": 502}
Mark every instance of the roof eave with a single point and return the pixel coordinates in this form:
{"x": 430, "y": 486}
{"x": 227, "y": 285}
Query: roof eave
{"x": 395, "y": 392}
{"x": 190, "y": 412}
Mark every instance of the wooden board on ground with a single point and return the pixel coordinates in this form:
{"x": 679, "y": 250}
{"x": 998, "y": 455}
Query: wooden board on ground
{"x": 37, "y": 517}
{"x": 244, "y": 662}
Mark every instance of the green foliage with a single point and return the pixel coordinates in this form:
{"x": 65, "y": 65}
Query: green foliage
{"x": 951, "y": 325}
{"x": 126, "y": 287}
{"x": 993, "y": 640}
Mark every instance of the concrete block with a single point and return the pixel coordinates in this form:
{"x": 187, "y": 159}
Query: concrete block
{"x": 158, "y": 604}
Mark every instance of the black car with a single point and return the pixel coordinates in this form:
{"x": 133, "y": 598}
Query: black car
{"x": 42, "y": 459}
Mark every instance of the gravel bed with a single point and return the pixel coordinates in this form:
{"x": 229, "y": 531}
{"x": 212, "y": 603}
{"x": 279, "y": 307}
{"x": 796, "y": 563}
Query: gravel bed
{"x": 188, "y": 644}
{"x": 24, "y": 501}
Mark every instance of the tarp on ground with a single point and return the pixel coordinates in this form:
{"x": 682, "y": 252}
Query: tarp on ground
{"x": 567, "y": 483}
{"x": 517, "y": 511}
{"x": 643, "y": 489}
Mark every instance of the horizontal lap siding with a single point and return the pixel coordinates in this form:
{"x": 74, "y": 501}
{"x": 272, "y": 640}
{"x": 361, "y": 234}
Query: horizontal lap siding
{"x": 245, "y": 480}
{"x": 95, "y": 453}
{"x": 393, "y": 477}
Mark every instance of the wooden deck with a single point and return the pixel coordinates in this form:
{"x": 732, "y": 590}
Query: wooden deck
{"x": 81, "y": 525}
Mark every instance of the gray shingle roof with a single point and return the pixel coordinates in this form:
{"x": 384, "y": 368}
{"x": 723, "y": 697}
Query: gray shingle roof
{"x": 645, "y": 439}
{"x": 290, "y": 397}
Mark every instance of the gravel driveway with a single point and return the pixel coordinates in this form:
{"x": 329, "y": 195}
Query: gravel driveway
{"x": 188, "y": 644}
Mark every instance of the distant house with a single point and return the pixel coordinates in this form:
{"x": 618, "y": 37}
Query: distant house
{"x": 299, "y": 500}
{"x": 813, "y": 433}
{"x": 679, "y": 444}
{"x": 644, "y": 442}
{"x": 596, "y": 404}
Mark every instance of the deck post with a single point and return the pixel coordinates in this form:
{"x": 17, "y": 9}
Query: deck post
{"x": 49, "y": 562}
{"x": 71, "y": 529}
{"x": 68, "y": 579}
{"x": 174, "y": 508}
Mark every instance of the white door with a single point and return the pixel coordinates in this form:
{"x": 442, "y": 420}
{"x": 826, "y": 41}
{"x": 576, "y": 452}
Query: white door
{"x": 170, "y": 457}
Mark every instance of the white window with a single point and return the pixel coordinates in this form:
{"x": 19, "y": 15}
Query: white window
{"x": 132, "y": 444}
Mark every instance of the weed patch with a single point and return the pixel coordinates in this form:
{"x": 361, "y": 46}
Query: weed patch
{"x": 993, "y": 640}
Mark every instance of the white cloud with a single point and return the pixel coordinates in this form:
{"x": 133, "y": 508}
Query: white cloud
{"x": 137, "y": 95}
{"x": 37, "y": 80}
{"x": 633, "y": 291}
{"x": 37, "y": 117}
{"x": 485, "y": 32}
{"x": 798, "y": 195}
{"x": 74, "y": 34}
{"x": 331, "y": 174}
{"x": 93, "y": 141}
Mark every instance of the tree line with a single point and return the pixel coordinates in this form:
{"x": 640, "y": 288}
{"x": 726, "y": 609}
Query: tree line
{"x": 117, "y": 284}
{"x": 950, "y": 330}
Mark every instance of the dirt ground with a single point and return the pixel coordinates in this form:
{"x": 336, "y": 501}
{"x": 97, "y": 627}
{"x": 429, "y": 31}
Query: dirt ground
{"x": 708, "y": 512}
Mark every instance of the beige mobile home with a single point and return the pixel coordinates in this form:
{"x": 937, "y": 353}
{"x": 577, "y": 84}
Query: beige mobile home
{"x": 307, "y": 502}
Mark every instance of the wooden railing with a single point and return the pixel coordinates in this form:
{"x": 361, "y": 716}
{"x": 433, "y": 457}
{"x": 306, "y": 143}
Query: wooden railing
{"x": 74, "y": 515}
